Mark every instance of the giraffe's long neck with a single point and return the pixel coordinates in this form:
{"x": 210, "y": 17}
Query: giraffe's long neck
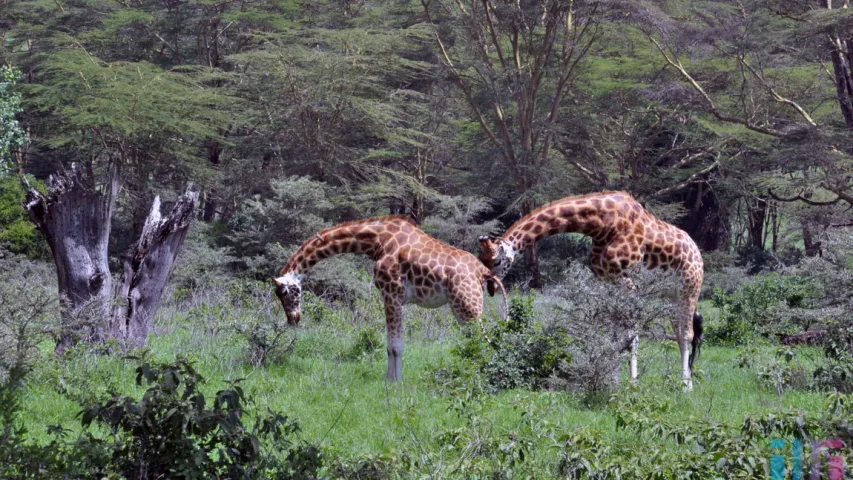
{"x": 583, "y": 215}
{"x": 362, "y": 238}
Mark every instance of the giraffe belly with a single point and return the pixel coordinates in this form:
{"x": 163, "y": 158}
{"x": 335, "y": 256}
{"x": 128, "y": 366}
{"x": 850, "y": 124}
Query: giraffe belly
{"x": 425, "y": 297}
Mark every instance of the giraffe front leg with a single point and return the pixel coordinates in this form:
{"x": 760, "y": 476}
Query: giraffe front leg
{"x": 394, "y": 330}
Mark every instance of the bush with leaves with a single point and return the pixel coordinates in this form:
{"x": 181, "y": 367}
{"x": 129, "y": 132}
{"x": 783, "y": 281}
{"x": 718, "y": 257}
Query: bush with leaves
{"x": 703, "y": 448}
{"x": 12, "y": 134}
{"x": 518, "y": 352}
{"x": 456, "y": 221}
{"x": 17, "y": 233}
{"x": 28, "y": 310}
{"x": 173, "y": 431}
{"x": 757, "y": 309}
{"x": 836, "y": 373}
{"x": 368, "y": 341}
{"x": 269, "y": 228}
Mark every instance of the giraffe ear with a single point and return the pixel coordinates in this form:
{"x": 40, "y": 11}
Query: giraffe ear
{"x": 275, "y": 281}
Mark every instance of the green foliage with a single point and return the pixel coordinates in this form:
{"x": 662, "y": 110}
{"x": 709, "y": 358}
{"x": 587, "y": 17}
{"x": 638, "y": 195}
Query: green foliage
{"x": 836, "y": 374}
{"x": 513, "y": 353}
{"x": 12, "y": 134}
{"x": 368, "y": 341}
{"x": 173, "y": 431}
{"x": 705, "y": 449}
{"x": 17, "y": 232}
{"x": 751, "y": 312}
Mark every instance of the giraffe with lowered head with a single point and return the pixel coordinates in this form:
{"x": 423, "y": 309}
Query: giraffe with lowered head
{"x": 623, "y": 234}
{"x": 411, "y": 267}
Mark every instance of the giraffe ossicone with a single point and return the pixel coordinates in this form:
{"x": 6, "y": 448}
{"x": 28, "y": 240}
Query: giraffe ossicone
{"x": 411, "y": 267}
{"x": 623, "y": 234}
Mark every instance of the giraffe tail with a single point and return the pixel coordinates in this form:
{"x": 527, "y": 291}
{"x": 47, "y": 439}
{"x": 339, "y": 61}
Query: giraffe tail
{"x": 497, "y": 281}
{"x": 698, "y": 337}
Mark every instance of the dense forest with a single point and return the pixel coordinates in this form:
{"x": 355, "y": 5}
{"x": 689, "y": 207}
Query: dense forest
{"x": 729, "y": 119}
{"x": 274, "y": 119}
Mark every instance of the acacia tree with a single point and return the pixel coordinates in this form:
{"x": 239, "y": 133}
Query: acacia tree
{"x": 758, "y": 74}
{"x": 516, "y": 64}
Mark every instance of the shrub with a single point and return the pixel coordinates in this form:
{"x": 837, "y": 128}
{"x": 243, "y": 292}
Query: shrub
{"x": 172, "y": 431}
{"x": 756, "y": 309}
{"x": 703, "y": 449}
{"x": 513, "y": 353}
{"x": 602, "y": 318}
{"x": 17, "y": 233}
{"x": 368, "y": 341}
{"x": 836, "y": 374}
{"x": 201, "y": 263}
{"x": 28, "y": 309}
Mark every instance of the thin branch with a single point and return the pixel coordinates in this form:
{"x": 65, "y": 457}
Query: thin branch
{"x": 691, "y": 179}
{"x": 675, "y": 63}
{"x": 449, "y": 63}
{"x": 800, "y": 198}
{"x": 776, "y": 96}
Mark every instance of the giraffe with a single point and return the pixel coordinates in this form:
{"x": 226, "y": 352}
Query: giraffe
{"x": 411, "y": 267}
{"x": 623, "y": 234}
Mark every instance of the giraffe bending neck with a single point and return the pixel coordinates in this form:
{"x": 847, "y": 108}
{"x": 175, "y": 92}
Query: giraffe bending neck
{"x": 411, "y": 267}
{"x": 586, "y": 214}
{"x": 623, "y": 234}
{"x": 361, "y": 236}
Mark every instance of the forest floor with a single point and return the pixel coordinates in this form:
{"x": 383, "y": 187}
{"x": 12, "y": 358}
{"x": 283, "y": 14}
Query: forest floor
{"x": 346, "y": 406}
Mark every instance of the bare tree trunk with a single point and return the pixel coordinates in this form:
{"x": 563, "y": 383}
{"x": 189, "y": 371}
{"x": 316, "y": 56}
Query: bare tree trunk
{"x": 147, "y": 270}
{"x": 214, "y": 153}
{"x": 75, "y": 218}
{"x": 811, "y": 246}
{"x": 756, "y": 214}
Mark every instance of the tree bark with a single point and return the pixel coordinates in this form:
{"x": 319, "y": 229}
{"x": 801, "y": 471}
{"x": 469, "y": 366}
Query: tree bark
{"x": 75, "y": 218}
{"x": 148, "y": 268}
{"x": 756, "y": 215}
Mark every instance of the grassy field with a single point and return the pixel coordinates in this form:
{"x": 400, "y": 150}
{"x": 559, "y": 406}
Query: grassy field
{"x": 347, "y": 407}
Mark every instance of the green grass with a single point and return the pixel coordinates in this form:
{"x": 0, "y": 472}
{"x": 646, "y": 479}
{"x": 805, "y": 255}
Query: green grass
{"x": 348, "y": 408}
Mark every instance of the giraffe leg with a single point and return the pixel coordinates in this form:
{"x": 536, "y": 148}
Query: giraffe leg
{"x": 635, "y": 346}
{"x": 683, "y": 326}
{"x": 394, "y": 329}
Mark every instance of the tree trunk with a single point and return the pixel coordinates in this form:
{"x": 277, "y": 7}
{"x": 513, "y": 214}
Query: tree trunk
{"x": 811, "y": 246}
{"x": 214, "y": 153}
{"x": 843, "y": 77}
{"x": 147, "y": 270}
{"x": 75, "y": 218}
{"x": 756, "y": 215}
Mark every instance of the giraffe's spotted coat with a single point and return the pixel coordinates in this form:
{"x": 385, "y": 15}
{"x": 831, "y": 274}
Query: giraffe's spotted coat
{"x": 623, "y": 234}
{"x": 411, "y": 267}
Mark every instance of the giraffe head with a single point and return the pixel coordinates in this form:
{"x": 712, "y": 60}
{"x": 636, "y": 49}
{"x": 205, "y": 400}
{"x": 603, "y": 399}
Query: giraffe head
{"x": 288, "y": 289}
{"x": 496, "y": 254}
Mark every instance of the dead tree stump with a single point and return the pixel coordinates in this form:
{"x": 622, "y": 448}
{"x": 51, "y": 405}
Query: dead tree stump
{"x": 75, "y": 217}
